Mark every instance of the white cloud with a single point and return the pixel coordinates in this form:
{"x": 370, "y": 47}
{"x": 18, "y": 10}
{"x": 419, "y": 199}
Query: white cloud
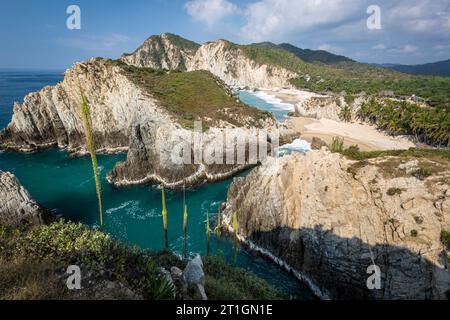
{"x": 380, "y": 46}
{"x": 404, "y": 49}
{"x": 276, "y": 19}
{"x": 210, "y": 12}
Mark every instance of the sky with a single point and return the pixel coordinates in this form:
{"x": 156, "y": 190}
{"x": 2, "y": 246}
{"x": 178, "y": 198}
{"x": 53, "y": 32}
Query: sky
{"x": 34, "y": 33}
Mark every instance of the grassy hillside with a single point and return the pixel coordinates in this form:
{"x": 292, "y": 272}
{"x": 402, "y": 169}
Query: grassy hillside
{"x": 440, "y": 68}
{"x": 314, "y": 56}
{"x": 34, "y": 260}
{"x": 195, "y": 95}
{"x": 340, "y": 74}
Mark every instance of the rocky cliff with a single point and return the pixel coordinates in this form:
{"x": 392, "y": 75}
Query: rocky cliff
{"x": 329, "y": 219}
{"x": 51, "y": 117}
{"x": 167, "y": 51}
{"x": 17, "y": 206}
{"x": 138, "y": 109}
{"x": 224, "y": 59}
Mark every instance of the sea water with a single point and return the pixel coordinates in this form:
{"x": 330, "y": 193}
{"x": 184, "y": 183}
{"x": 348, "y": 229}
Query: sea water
{"x": 65, "y": 185}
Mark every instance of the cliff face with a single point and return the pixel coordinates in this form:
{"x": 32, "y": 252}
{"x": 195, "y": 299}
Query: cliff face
{"x": 167, "y": 51}
{"x": 17, "y": 206}
{"x": 236, "y": 69}
{"x": 157, "y": 153}
{"x": 330, "y": 218}
{"x": 136, "y": 109}
{"x": 328, "y": 107}
{"x": 51, "y": 117}
{"x": 221, "y": 58}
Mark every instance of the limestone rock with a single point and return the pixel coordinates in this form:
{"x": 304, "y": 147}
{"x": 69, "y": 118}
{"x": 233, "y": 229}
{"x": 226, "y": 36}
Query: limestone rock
{"x": 330, "y": 220}
{"x": 195, "y": 277}
{"x": 17, "y": 206}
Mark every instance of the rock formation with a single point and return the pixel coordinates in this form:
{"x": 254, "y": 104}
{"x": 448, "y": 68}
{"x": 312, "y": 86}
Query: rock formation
{"x": 17, "y": 206}
{"x": 329, "y": 219}
{"x": 222, "y": 58}
{"x": 167, "y": 51}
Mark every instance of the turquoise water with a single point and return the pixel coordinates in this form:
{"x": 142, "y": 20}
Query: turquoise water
{"x": 133, "y": 215}
{"x": 267, "y": 103}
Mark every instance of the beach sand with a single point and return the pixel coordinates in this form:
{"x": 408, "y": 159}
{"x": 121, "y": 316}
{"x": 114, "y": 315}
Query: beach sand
{"x": 366, "y": 136}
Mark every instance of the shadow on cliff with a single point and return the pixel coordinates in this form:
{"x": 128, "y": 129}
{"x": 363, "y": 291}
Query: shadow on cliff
{"x": 340, "y": 265}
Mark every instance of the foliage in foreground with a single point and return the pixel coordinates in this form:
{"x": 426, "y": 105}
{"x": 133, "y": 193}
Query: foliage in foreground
{"x": 33, "y": 262}
{"x": 62, "y": 244}
{"x": 226, "y": 282}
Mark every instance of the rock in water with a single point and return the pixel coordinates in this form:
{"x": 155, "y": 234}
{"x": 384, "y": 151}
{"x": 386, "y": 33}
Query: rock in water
{"x": 330, "y": 219}
{"x": 195, "y": 277}
{"x": 17, "y": 206}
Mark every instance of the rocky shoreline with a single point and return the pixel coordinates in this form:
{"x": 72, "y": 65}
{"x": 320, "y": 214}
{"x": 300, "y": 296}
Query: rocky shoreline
{"x": 329, "y": 219}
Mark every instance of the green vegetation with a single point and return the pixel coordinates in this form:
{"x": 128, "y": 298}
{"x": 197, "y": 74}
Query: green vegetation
{"x": 192, "y": 96}
{"x": 34, "y": 259}
{"x": 337, "y": 74}
{"x": 87, "y": 123}
{"x": 394, "y": 191}
{"x": 345, "y": 114}
{"x": 439, "y": 155}
{"x": 337, "y": 145}
{"x": 41, "y": 253}
{"x": 445, "y": 238}
{"x": 414, "y": 233}
{"x": 226, "y": 282}
{"x": 427, "y": 124}
{"x": 422, "y": 173}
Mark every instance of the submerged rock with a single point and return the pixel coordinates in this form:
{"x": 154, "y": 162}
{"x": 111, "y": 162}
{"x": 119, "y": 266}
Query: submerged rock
{"x": 330, "y": 219}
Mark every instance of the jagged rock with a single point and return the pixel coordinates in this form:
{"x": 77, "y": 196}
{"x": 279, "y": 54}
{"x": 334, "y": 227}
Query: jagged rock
{"x": 222, "y": 58}
{"x": 327, "y": 218}
{"x": 318, "y": 144}
{"x": 167, "y": 51}
{"x": 195, "y": 277}
{"x": 17, "y": 206}
{"x": 153, "y": 147}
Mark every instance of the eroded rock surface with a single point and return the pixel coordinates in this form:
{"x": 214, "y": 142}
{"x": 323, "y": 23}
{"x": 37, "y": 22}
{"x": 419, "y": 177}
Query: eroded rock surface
{"x": 330, "y": 218}
{"x": 16, "y": 205}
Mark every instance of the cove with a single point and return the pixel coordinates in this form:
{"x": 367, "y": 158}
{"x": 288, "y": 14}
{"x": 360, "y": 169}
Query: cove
{"x": 133, "y": 215}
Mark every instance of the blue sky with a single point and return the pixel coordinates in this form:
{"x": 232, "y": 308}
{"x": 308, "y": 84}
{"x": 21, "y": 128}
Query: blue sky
{"x": 33, "y": 33}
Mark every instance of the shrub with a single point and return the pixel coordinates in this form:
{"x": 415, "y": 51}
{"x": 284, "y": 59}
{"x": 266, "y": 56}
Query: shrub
{"x": 393, "y": 191}
{"x": 337, "y": 145}
{"x": 422, "y": 173}
{"x": 445, "y": 238}
{"x": 414, "y": 233}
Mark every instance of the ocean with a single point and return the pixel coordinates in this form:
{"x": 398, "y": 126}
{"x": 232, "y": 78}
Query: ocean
{"x": 133, "y": 215}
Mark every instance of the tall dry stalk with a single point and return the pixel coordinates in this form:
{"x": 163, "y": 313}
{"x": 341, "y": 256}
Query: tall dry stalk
{"x": 164, "y": 214}
{"x": 218, "y": 230}
{"x": 235, "y": 235}
{"x": 87, "y": 123}
{"x": 185, "y": 217}
{"x": 208, "y": 233}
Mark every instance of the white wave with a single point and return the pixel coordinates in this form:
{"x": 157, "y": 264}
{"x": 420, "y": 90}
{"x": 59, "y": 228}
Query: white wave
{"x": 273, "y": 100}
{"x": 298, "y": 145}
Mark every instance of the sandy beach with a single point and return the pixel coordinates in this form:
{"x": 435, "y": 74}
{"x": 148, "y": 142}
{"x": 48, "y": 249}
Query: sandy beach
{"x": 366, "y": 136}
